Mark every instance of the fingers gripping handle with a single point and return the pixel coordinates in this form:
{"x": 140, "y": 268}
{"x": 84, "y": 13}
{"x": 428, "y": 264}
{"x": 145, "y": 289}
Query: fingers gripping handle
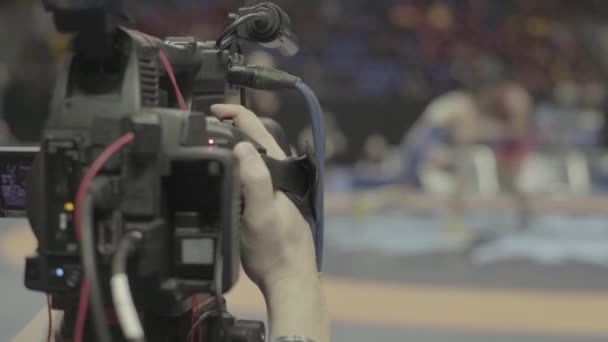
{"x": 297, "y": 177}
{"x": 278, "y": 133}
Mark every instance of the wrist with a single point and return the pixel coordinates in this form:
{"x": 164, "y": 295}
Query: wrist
{"x": 296, "y": 306}
{"x": 289, "y": 280}
{"x": 291, "y": 275}
{"x": 291, "y": 261}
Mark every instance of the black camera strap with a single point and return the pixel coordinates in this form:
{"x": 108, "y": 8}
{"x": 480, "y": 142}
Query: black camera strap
{"x": 297, "y": 178}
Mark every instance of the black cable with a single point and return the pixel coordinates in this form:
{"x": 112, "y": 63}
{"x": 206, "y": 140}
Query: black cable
{"x": 89, "y": 264}
{"x": 262, "y": 78}
{"x": 243, "y": 95}
{"x": 231, "y": 29}
{"x": 242, "y": 90}
{"x": 49, "y": 303}
{"x": 219, "y": 266}
{"x": 228, "y": 42}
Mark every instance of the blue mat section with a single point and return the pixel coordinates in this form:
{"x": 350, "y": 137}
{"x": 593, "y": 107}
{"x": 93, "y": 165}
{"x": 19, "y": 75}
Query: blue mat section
{"x": 485, "y": 237}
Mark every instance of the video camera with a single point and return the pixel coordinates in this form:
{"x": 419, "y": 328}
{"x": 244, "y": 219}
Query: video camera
{"x": 133, "y": 193}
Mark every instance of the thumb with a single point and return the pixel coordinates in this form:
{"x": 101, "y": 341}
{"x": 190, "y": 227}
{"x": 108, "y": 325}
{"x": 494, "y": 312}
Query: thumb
{"x": 257, "y": 184}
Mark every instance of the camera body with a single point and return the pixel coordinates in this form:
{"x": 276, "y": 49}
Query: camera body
{"x": 177, "y": 182}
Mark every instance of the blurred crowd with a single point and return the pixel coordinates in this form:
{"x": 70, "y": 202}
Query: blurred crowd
{"x": 415, "y": 49}
{"x": 409, "y": 50}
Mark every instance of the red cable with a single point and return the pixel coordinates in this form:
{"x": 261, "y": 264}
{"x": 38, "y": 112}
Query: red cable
{"x": 49, "y": 305}
{"x": 86, "y": 181}
{"x": 90, "y": 175}
{"x": 81, "y": 314}
{"x": 200, "y": 332}
{"x": 182, "y": 105}
{"x": 170, "y": 73}
{"x": 192, "y": 320}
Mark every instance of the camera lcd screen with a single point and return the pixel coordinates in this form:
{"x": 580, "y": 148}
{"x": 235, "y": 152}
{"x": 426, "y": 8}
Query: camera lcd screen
{"x": 15, "y": 165}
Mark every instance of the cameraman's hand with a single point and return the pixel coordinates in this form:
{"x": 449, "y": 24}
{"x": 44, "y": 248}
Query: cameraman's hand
{"x": 276, "y": 242}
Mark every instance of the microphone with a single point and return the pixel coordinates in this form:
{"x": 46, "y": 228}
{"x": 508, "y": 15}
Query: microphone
{"x": 270, "y": 29}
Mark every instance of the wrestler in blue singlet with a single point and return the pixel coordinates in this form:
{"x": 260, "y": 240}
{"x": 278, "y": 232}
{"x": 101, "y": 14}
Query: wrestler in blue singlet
{"x": 416, "y": 149}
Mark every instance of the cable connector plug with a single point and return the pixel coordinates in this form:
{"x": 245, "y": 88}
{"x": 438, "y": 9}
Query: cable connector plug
{"x": 256, "y": 77}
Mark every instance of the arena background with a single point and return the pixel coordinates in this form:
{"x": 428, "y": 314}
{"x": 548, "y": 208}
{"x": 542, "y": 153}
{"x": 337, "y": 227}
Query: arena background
{"x": 399, "y": 267}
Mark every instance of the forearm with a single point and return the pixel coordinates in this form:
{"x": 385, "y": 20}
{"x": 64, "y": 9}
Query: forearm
{"x": 296, "y": 307}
